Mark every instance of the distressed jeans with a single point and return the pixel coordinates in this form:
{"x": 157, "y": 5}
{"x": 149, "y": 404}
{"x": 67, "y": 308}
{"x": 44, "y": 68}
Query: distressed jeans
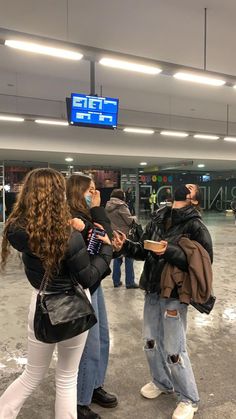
{"x": 165, "y": 346}
{"x": 94, "y": 361}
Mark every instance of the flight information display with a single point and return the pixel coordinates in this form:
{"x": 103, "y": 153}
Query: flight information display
{"x": 95, "y": 111}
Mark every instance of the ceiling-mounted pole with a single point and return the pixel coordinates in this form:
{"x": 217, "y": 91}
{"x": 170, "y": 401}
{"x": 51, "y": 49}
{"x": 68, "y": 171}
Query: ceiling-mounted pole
{"x": 205, "y": 38}
{"x": 227, "y": 121}
{"x": 67, "y": 20}
{"x": 92, "y": 78}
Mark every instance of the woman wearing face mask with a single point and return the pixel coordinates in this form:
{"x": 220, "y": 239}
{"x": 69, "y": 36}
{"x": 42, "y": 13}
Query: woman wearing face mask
{"x": 165, "y": 319}
{"x": 84, "y": 202}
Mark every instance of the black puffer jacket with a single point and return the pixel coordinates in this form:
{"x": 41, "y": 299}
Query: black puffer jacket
{"x": 185, "y": 221}
{"x": 77, "y": 262}
{"x": 98, "y": 215}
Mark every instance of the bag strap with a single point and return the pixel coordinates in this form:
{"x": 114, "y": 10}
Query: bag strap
{"x": 44, "y": 284}
{"x": 45, "y": 281}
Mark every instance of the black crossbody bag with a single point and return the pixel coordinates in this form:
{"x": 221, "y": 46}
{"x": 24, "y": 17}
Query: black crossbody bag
{"x": 61, "y": 316}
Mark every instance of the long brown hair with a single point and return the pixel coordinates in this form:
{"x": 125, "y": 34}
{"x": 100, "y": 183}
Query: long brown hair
{"x": 76, "y": 186}
{"x": 42, "y": 211}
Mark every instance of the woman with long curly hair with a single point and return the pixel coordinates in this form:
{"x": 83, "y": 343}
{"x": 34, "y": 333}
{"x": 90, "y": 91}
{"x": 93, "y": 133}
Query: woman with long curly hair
{"x": 39, "y": 227}
{"x": 84, "y": 201}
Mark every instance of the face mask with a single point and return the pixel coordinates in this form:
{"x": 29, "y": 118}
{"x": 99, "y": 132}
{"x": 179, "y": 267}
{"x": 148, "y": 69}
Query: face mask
{"x": 181, "y": 193}
{"x": 88, "y": 200}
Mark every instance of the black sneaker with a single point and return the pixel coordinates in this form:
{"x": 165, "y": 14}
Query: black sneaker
{"x": 129, "y": 287}
{"x": 84, "y": 412}
{"x": 104, "y": 399}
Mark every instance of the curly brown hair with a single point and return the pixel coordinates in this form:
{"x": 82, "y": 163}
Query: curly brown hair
{"x": 76, "y": 186}
{"x": 42, "y": 211}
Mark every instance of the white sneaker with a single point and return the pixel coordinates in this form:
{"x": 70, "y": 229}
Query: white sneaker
{"x": 150, "y": 391}
{"x": 184, "y": 410}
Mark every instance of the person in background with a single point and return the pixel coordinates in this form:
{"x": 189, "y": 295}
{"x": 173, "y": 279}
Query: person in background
{"x": 39, "y": 228}
{"x": 129, "y": 198}
{"x": 121, "y": 219}
{"x": 153, "y": 201}
{"x": 84, "y": 202}
{"x": 165, "y": 319}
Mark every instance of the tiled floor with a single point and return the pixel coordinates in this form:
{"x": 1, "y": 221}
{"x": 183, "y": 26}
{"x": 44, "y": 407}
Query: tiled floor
{"x": 211, "y": 341}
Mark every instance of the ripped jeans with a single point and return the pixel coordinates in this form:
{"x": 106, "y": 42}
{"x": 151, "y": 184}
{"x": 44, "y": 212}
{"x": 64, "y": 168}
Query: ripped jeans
{"x": 164, "y": 332}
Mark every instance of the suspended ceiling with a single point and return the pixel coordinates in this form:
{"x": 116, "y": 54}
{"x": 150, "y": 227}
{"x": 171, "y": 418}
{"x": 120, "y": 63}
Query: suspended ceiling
{"x": 164, "y": 30}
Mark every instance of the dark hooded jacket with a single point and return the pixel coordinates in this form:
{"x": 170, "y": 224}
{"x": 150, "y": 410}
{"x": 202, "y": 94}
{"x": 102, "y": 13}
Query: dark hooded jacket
{"x": 168, "y": 224}
{"x": 98, "y": 215}
{"x": 85, "y": 270}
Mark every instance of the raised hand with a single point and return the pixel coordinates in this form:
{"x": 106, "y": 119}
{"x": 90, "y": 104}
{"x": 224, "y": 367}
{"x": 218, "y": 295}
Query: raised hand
{"x": 77, "y": 224}
{"x": 118, "y": 240}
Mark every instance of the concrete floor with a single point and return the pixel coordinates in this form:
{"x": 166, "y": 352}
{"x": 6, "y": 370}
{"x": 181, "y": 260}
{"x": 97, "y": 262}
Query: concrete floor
{"x": 211, "y": 341}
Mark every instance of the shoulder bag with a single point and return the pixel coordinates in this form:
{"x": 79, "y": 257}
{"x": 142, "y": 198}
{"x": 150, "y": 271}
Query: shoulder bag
{"x": 61, "y": 316}
{"x": 135, "y": 232}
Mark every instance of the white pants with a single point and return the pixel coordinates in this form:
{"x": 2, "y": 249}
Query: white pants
{"x": 39, "y": 357}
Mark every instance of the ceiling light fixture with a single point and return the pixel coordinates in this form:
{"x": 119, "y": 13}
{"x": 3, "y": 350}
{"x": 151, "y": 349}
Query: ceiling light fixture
{"x": 128, "y": 65}
{"x": 199, "y": 79}
{"x": 11, "y": 118}
{"x": 174, "y": 134}
{"x": 201, "y": 165}
{"x": 51, "y": 122}
{"x": 139, "y": 130}
{"x": 143, "y": 163}
{"x": 230, "y": 139}
{"x": 69, "y": 159}
{"x": 206, "y": 137}
{"x": 43, "y": 49}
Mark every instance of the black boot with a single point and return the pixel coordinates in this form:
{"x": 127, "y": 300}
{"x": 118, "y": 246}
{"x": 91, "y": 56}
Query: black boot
{"x": 104, "y": 399}
{"x": 84, "y": 412}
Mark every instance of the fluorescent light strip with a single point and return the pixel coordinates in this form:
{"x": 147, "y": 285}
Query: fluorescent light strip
{"x": 11, "y": 118}
{"x": 206, "y": 137}
{"x": 230, "y": 139}
{"x": 43, "y": 49}
{"x": 175, "y": 134}
{"x": 143, "y": 163}
{"x": 201, "y": 165}
{"x": 139, "y": 130}
{"x": 127, "y": 65}
{"x": 51, "y": 122}
{"x": 199, "y": 79}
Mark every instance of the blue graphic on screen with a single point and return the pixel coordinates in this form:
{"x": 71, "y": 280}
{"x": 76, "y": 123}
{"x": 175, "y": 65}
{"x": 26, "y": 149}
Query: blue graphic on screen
{"x": 93, "y": 110}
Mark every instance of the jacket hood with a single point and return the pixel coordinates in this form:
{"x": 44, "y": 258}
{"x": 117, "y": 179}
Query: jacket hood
{"x": 181, "y": 215}
{"x": 178, "y": 215}
{"x": 114, "y": 203}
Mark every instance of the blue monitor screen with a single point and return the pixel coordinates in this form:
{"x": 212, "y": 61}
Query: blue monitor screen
{"x": 94, "y": 111}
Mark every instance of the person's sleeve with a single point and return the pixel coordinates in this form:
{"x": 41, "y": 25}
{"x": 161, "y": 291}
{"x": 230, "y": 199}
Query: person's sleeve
{"x": 18, "y": 239}
{"x": 136, "y": 250}
{"x": 202, "y": 236}
{"x": 86, "y": 269}
{"x": 176, "y": 256}
{"x": 99, "y": 216}
{"x": 125, "y": 214}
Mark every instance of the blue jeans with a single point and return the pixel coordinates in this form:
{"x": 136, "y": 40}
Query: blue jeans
{"x": 165, "y": 336}
{"x": 94, "y": 361}
{"x": 129, "y": 271}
